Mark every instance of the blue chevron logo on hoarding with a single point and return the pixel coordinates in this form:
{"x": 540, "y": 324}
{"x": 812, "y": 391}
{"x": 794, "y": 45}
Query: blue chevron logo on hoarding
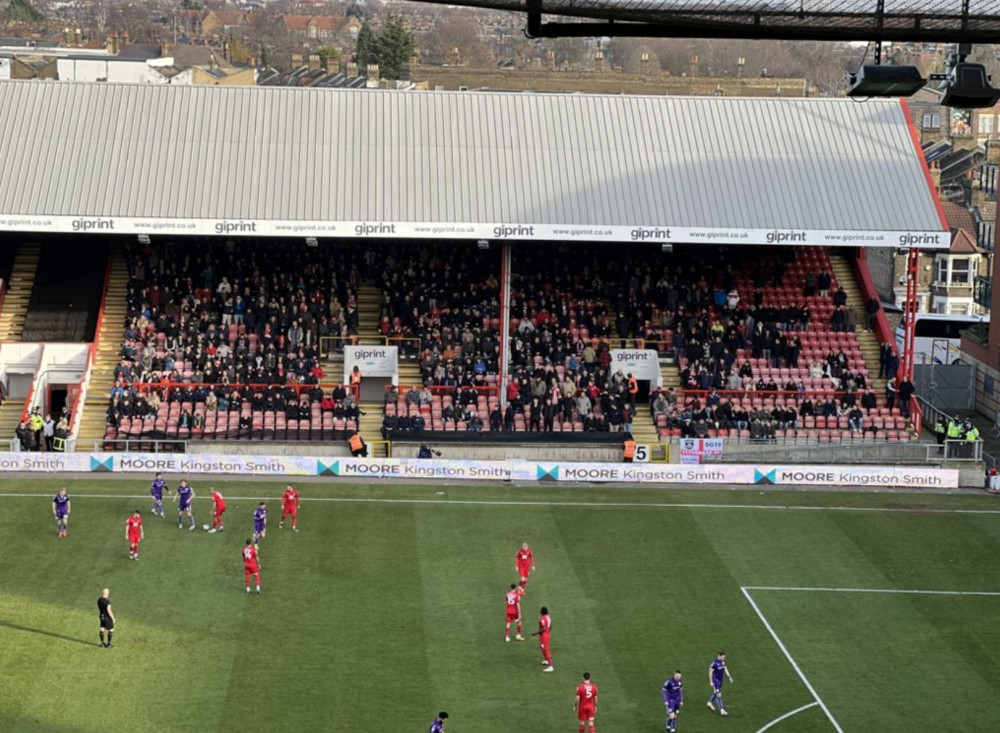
{"x": 327, "y": 469}
{"x": 105, "y": 466}
{"x": 770, "y": 477}
{"x": 548, "y": 474}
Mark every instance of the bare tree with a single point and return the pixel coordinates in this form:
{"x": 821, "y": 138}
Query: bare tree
{"x": 455, "y": 40}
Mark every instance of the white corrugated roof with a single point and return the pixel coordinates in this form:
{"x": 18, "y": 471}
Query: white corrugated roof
{"x": 208, "y": 154}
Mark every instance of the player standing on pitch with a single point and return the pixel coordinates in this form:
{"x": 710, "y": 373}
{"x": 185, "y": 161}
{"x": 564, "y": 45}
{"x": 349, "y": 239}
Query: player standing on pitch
{"x": 544, "y": 635}
{"x": 107, "y": 617}
{"x": 514, "y": 611}
{"x": 61, "y": 508}
{"x": 251, "y": 563}
{"x": 290, "y": 506}
{"x": 134, "y": 534}
{"x": 156, "y": 489}
{"x": 585, "y": 702}
{"x": 524, "y": 561}
{"x": 673, "y": 699}
{"x": 259, "y": 523}
{"x": 218, "y": 509}
{"x": 715, "y": 679}
{"x": 185, "y": 496}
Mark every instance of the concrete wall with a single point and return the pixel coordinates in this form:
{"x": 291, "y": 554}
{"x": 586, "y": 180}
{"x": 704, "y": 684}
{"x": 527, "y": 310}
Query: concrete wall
{"x": 600, "y": 453}
{"x": 269, "y": 448}
{"x": 987, "y": 386}
{"x": 109, "y": 69}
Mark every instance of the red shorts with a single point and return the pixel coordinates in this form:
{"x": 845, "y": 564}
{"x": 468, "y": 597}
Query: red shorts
{"x": 587, "y": 712}
{"x": 134, "y": 539}
{"x": 290, "y": 510}
{"x": 252, "y": 569}
{"x": 512, "y": 616}
{"x": 219, "y": 512}
{"x": 524, "y": 570}
{"x": 543, "y": 643}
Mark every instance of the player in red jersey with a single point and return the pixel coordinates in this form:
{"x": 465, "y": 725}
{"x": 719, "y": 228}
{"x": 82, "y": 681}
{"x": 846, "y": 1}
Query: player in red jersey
{"x": 134, "y": 534}
{"x": 251, "y": 563}
{"x": 514, "y": 611}
{"x": 218, "y": 509}
{"x": 290, "y": 505}
{"x": 544, "y": 634}
{"x": 524, "y": 561}
{"x": 585, "y": 702}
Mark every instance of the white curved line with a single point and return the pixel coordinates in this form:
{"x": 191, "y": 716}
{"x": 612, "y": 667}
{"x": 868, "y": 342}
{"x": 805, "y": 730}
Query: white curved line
{"x": 787, "y": 715}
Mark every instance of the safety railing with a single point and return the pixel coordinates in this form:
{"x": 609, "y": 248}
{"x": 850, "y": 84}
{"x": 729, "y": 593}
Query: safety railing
{"x": 658, "y": 345}
{"x": 88, "y": 370}
{"x": 408, "y": 345}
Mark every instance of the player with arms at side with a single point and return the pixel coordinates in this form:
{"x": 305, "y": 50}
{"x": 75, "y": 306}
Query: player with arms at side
{"x": 437, "y": 726}
{"x": 134, "y": 534}
{"x": 218, "y": 509}
{"x": 185, "y": 498}
{"x": 156, "y": 489}
{"x": 61, "y": 508}
{"x": 544, "y": 635}
{"x": 251, "y": 563}
{"x": 673, "y": 699}
{"x": 259, "y": 523}
{"x": 524, "y": 561}
{"x": 107, "y": 617}
{"x": 290, "y": 506}
{"x": 716, "y": 671}
{"x": 585, "y": 702}
{"x": 514, "y": 611}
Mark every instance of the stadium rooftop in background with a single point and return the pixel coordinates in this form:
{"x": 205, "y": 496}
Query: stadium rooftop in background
{"x": 330, "y": 163}
{"x": 970, "y": 21}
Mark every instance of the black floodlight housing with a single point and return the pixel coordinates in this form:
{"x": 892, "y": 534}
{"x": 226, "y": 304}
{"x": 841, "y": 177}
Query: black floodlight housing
{"x": 885, "y": 81}
{"x": 967, "y": 86}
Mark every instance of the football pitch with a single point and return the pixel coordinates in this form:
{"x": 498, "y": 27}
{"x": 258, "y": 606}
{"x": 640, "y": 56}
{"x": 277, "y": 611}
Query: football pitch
{"x": 838, "y": 611}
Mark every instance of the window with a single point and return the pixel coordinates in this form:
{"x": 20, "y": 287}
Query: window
{"x": 960, "y": 274}
{"x": 932, "y": 122}
{"x": 985, "y": 124}
{"x": 942, "y": 270}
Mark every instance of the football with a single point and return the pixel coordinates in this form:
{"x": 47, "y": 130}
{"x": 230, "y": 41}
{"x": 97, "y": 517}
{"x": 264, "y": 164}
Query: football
{"x": 204, "y": 527}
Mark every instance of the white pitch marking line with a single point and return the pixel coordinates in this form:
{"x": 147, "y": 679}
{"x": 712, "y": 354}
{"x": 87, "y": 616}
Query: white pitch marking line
{"x": 787, "y": 715}
{"x": 988, "y": 593}
{"x": 608, "y": 504}
{"x": 792, "y": 661}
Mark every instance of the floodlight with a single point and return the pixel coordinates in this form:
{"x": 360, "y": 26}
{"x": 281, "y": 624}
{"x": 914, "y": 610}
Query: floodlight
{"x": 967, "y": 86}
{"x": 885, "y": 81}
{"x": 483, "y": 244}
{"x": 143, "y": 239}
{"x": 312, "y": 242}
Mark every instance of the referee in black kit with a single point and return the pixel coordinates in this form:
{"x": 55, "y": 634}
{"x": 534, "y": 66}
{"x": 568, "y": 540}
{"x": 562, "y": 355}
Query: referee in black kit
{"x": 107, "y": 618}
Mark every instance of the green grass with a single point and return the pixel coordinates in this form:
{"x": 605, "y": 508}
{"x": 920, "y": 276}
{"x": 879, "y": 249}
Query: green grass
{"x": 378, "y": 614}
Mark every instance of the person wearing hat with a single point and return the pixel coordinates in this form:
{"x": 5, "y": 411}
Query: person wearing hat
{"x": 37, "y": 424}
{"x": 971, "y": 435}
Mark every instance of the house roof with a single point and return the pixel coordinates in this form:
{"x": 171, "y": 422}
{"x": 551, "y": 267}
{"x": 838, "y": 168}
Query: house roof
{"x": 141, "y": 51}
{"x": 964, "y": 243}
{"x": 959, "y": 217}
{"x": 462, "y": 165}
{"x": 301, "y": 23}
{"x": 226, "y": 16}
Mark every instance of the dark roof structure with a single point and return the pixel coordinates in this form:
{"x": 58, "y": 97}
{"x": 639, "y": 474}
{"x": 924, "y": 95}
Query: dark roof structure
{"x": 824, "y": 20}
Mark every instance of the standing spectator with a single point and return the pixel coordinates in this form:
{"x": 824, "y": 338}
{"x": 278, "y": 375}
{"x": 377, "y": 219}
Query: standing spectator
{"x": 906, "y": 390}
{"x": 884, "y": 352}
{"x": 872, "y": 309}
{"x": 49, "y": 431}
{"x": 890, "y": 394}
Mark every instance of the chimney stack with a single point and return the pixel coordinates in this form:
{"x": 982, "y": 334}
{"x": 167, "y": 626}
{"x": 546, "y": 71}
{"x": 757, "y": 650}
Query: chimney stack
{"x": 352, "y": 70}
{"x": 373, "y": 72}
{"x": 314, "y": 62}
{"x": 741, "y": 63}
{"x": 693, "y": 69}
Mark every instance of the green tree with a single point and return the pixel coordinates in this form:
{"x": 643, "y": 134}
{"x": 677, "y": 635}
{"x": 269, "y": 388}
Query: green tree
{"x": 330, "y": 56}
{"x": 24, "y": 11}
{"x": 366, "y": 51}
{"x": 395, "y": 47}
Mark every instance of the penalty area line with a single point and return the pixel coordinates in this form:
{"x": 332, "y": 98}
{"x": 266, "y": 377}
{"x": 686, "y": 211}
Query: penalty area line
{"x": 788, "y": 715}
{"x": 791, "y": 660}
{"x": 898, "y": 591}
{"x": 580, "y": 504}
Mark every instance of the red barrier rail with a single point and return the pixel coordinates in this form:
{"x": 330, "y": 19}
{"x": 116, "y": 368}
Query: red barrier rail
{"x": 403, "y": 389}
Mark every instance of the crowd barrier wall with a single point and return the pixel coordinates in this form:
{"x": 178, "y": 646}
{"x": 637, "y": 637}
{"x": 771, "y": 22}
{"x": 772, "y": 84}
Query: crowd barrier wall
{"x": 527, "y": 471}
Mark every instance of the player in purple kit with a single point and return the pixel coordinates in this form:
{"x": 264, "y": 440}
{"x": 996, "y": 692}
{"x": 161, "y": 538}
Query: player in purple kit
{"x": 259, "y": 523}
{"x": 185, "y": 496}
{"x": 673, "y": 699}
{"x": 61, "y": 509}
{"x": 717, "y": 672}
{"x": 438, "y": 725}
{"x": 156, "y": 490}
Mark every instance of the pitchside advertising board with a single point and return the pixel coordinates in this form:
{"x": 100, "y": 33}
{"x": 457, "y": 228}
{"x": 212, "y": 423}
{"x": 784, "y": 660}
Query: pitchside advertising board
{"x": 372, "y": 361}
{"x": 191, "y": 465}
{"x": 643, "y": 364}
{"x": 653, "y": 234}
